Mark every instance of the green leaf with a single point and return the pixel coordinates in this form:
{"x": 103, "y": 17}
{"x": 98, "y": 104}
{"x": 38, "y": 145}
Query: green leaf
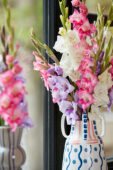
{"x": 108, "y": 48}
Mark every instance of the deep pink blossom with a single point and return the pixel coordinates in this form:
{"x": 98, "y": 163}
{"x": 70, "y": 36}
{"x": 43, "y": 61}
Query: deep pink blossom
{"x": 85, "y": 29}
{"x": 86, "y": 63}
{"x": 111, "y": 71}
{"x": 83, "y": 9}
{"x": 85, "y": 99}
{"x": 17, "y": 69}
{"x": 75, "y": 3}
{"x": 85, "y": 84}
{"x": 111, "y": 61}
{"x": 77, "y": 19}
{"x": 90, "y": 77}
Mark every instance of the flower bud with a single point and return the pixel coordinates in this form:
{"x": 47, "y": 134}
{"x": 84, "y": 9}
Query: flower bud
{"x": 17, "y": 69}
{"x": 9, "y": 59}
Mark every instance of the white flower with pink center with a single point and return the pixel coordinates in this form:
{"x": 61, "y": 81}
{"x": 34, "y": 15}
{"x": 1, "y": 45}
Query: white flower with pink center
{"x": 85, "y": 99}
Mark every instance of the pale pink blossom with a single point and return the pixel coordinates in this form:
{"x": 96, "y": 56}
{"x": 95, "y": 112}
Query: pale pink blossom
{"x": 6, "y": 78}
{"x": 83, "y": 9}
{"x": 85, "y": 99}
{"x": 9, "y": 59}
{"x": 39, "y": 64}
{"x": 17, "y": 46}
{"x": 87, "y": 52}
{"x": 75, "y": 3}
{"x": 17, "y": 69}
{"x": 10, "y": 38}
{"x": 95, "y": 46}
{"x": 16, "y": 91}
{"x": 5, "y": 101}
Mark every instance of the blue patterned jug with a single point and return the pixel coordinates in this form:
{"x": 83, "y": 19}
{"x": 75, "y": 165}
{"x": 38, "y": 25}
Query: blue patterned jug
{"x": 84, "y": 149}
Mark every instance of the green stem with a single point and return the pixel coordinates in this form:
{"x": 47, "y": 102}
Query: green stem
{"x": 9, "y": 26}
{"x": 2, "y": 123}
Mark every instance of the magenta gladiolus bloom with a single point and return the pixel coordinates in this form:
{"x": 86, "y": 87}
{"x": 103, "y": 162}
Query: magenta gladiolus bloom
{"x": 83, "y": 9}
{"x": 75, "y": 3}
{"x": 85, "y": 99}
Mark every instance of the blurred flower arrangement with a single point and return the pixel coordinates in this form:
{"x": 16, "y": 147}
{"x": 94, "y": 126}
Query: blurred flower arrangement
{"x": 13, "y": 105}
{"x": 82, "y": 81}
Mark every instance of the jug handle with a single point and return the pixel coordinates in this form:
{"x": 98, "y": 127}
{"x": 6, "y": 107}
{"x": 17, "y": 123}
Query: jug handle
{"x": 62, "y": 126}
{"x": 103, "y": 125}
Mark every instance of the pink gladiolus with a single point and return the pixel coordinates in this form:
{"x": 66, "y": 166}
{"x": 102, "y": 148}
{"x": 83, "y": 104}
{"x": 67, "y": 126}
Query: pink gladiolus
{"x": 86, "y": 63}
{"x": 111, "y": 71}
{"x": 39, "y": 64}
{"x": 16, "y": 89}
{"x": 83, "y": 9}
{"x": 9, "y": 59}
{"x": 87, "y": 52}
{"x": 17, "y": 69}
{"x": 45, "y": 77}
{"x": 82, "y": 44}
{"x": 85, "y": 99}
{"x": 77, "y": 19}
{"x": 5, "y": 101}
{"x": 75, "y": 3}
{"x": 111, "y": 61}
{"x": 10, "y": 38}
{"x": 95, "y": 46}
{"x": 6, "y": 78}
{"x": 13, "y": 117}
{"x": 84, "y": 84}
{"x": 17, "y": 46}
{"x": 85, "y": 29}
{"x": 91, "y": 78}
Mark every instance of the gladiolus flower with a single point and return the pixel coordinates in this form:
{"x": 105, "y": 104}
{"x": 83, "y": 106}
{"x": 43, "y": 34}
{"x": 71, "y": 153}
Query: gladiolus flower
{"x": 6, "y": 78}
{"x": 85, "y": 99}
{"x": 83, "y": 9}
{"x": 75, "y": 3}
{"x": 17, "y": 69}
{"x": 9, "y": 59}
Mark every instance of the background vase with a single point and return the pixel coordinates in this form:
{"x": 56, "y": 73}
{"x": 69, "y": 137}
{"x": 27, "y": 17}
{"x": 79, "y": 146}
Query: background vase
{"x": 84, "y": 149}
{"x": 12, "y": 156}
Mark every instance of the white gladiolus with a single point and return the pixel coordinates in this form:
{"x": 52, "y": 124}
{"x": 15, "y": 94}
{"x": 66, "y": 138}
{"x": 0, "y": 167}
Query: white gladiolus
{"x": 71, "y": 58}
{"x": 101, "y": 89}
{"x": 63, "y": 43}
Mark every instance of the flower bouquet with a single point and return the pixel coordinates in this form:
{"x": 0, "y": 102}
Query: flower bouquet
{"x": 81, "y": 82}
{"x": 13, "y": 105}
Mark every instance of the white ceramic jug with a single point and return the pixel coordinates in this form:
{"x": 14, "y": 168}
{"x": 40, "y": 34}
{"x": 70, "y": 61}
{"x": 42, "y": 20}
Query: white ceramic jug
{"x": 84, "y": 149}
